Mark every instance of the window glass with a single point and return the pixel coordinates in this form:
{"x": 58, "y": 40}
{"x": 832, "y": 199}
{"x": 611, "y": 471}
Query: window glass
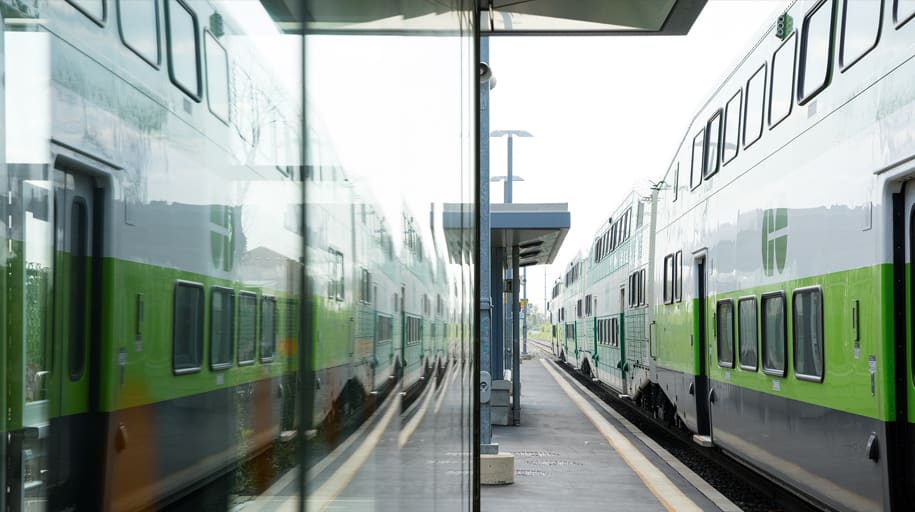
{"x": 677, "y": 181}
{"x": 731, "y": 129}
{"x": 755, "y": 103}
{"x": 668, "y": 278}
{"x": 695, "y": 175}
{"x": 217, "y": 77}
{"x": 385, "y": 328}
{"x": 904, "y": 10}
{"x": 678, "y": 276}
{"x": 782, "y": 84}
{"x": 78, "y": 289}
{"x": 247, "y": 327}
{"x": 808, "y": 334}
{"x": 816, "y": 46}
{"x": 268, "y": 328}
{"x": 95, "y": 9}
{"x": 746, "y": 333}
{"x": 860, "y": 29}
{"x": 182, "y": 47}
{"x": 187, "y": 329}
{"x": 726, "y": 333}
{"x": 139, "y": 22}
{"x": 773, "y": 334}
{"x": 222, "y": 321}
{"x": 712, "y": 155}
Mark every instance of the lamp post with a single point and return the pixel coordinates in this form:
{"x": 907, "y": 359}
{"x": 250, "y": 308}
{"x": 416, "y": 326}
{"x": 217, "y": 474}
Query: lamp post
{"x": 507, "y": 194}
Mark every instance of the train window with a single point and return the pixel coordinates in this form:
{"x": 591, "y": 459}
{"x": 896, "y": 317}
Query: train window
{"x": 79, "y": 224}
{"x": 747, "y": 333}
{"x": 808, "y": 334}
{"x": 268, "y": 328}
{"x": 217, "y": 65}
{"x": 678, "y": 277}
{"x": 222, "y": 326}
{"x": 588, "y": 299}
{"x": 639, "y": 214}
{"x": 774, "y": 334}
{"x": 139, "y": 27}
{"x": 247, "y": 327}
{"x": 860, "y": 29}
{"x": 335, "y": 284}
{"x": 668, "y": 279}
{"x": 731, "y": 129}
{"x": 187, "y": 328}
{"x": 94, "y": 9}
{"x": 695, "y": 173}
{"x": 365, "y": 287}
{"x": 676, "y": 181}
{"x": 781, "y": 85}
{"x": 384, "y": 330}
{"x": 816, "y": 51}
{"x": 725, "y": 328}
{"x": 905, "y": 10}
{"x": 578, "y": 309}
{"x": 713, "y": 151}
{"x": 183, "y": 52}
{"x": 754, "y": 106}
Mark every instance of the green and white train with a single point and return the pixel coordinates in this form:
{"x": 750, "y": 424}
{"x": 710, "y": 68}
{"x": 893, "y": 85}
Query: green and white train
{"x": 780, "y": 301}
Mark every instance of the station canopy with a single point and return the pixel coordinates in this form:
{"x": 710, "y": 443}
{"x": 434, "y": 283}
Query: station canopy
{"x": 497, "y": 17}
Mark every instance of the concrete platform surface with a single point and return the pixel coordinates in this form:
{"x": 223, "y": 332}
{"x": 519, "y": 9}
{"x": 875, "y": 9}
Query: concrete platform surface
{"x": 572, "y": 455}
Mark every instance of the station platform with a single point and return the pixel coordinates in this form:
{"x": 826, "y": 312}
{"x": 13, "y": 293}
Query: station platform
{"x": 574, "y": 453}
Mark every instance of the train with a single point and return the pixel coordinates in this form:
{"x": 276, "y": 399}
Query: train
{"x": 760, "y": 293}
{"x": 175, "y": 330}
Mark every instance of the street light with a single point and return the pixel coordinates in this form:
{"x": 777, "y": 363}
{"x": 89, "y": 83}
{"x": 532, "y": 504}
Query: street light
{"x": 509, "y": 179}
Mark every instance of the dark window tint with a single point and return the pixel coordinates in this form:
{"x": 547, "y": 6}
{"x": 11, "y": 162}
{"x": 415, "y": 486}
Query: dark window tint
{"x": 668, "y": 279}
{"x": 713, "y": 155}
{"x": 747, "y": 333}
{"x": 95, "y": 9}
{"x": 816, "y": 57}
{"x": 139, "y": 22}
{"x": 695, "y": 174}
{"x": 773, "y": 334}
{"x": 754, "y": 107}
{"x": 860, "y": 29}
{"x": 183, "y": 54}
{"x": 808, "y": 334}
{"x": 79, "y": 245}
{"x": 782, "y": 84}
{"x": 726, "y": 333}
{"x": 731, "y": 129}
{"x": 217, "y": 77}
{"x": 187, "y": 328}
{"x": 247, "y": 327}
{"x": 222, "y": 323}
{"x": 268, "y": 328}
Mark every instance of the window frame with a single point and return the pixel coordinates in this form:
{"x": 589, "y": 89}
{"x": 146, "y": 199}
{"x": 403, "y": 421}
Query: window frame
{"x": 899, "y": 23}
{"x": 741, "y": 300}
{"x": 706, "y": 173}
{"x": 794, "y": 332}
{"x": 100, "y": 22}
{"x": 724, "y": 128}
{"x": 678, "y": 276}
{"x": 721, "y": 362}
{"x": 774, "y": 372}
{"x": 843, "y": 66}
{"x": 693, "y": 175}
{"x": 260, "y": 334}
{"x": 256, "y": 339}
{"x": 764, "y": 69}
{"x": 206, "y": 66}
{"x": 194, "y": 95}
{"x": 217, "y": 366}
{"x": 158, "y": 63}
{"x": 792, "y": 39}
{"x": 669, "y": 279}
{"x": 200, "y": 325}
{"x": 801, "y": 59}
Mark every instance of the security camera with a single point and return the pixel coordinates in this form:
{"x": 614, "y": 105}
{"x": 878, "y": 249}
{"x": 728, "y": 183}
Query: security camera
{"x": 485, "y": 72}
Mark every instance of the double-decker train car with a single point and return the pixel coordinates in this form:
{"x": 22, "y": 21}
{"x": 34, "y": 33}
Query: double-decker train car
{"x": 779, "y": 285}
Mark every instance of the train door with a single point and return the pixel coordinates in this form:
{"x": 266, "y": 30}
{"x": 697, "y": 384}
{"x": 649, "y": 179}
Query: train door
{"x": 76, "y": 430}
{"x": 700, "y": 386}
{"x": 901, "y": 433}
{"x": 624, "y": 385}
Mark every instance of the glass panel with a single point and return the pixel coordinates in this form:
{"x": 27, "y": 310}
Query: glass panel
{"x": 187, "y": 329}
{"x": 808, "y": 334}
{"x": 731, "y": 128}
{"x": 668, "y": 278}
{"x": 726, "y": 334}
{"x": 756, "y": 101}
{"x": 182, "y": 47}
{"x": 773, "y": 335}
{"x": 695, "y": 175}
{"x": 712, "y": 155}
{"x": 247, "y": 327}
{"x": 139, "y": 22}
{"x": 782, "y": 85}
{"x": 217, "y": 77}
{"x": 860, "y": 28}
{"x": 36, "y": 296}
{"x": 78, "y": 300}
{"x": 95, "y": 9}
{"x": 222, "y": 324}
{"x": 678, "y": 276}
{"x": 817, "y": 55}
{"x": 268, "y": 328}
{"x": 747, "y": 333}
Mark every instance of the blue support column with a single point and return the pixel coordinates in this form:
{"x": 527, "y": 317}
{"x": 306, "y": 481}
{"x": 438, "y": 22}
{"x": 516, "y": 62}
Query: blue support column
{"x": 486, "y": 444}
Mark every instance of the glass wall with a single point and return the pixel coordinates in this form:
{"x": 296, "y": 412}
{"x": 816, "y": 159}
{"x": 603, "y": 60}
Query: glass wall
{"x": 238, "y": 272}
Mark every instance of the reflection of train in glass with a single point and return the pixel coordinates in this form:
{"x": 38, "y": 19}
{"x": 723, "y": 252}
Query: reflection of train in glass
{"x": 760, "y": 296}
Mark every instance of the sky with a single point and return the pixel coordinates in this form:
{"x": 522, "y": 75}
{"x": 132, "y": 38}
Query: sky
{"x": 607, "y": 113}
